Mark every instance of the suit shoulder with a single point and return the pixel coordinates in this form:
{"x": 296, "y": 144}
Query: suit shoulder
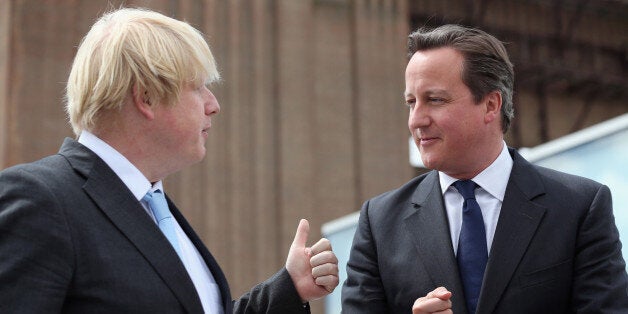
{"x": 396, "y": 199}
{"x": 404, "y": 191}
{"x": 556, "y": 189}
{"x": 555, "y": 178}
{"x": 52, "y": 168}
{"x": 534, "y": 180}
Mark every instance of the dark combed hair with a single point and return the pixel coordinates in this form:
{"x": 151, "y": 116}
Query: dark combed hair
{"x": 486, "y": 67}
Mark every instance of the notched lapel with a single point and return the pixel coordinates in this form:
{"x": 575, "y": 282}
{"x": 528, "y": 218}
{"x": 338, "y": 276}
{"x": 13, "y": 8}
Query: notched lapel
{"x": 209, "y": 259}
{"x": 518, "y": 221}
{"x": 128, "y": 215}
{"x": 429, "y": 229}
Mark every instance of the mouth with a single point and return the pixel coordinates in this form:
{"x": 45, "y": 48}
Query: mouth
{"x": 425, "y": 140}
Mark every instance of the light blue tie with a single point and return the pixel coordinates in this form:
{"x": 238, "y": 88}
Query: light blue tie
{"x": 159, "y": 206}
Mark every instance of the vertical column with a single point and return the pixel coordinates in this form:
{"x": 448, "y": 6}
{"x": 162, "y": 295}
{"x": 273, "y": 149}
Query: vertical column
{"x": 239, "y": 111}
{"x": 334, "y": 112}
{"x": 296, "y": 125}
{"x": 270, "y": 254}
{"x": 381, "y": 32}
{"x": 5, "y": 45}
{"x": 41, "y": 50}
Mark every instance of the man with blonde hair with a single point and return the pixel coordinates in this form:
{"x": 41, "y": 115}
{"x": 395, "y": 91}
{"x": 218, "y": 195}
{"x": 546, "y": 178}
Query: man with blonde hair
{"x": 90, "y": 229}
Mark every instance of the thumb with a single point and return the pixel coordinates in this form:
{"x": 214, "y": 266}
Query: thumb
{"x": 441, "y": 293}
{"x": 300, "y": 238}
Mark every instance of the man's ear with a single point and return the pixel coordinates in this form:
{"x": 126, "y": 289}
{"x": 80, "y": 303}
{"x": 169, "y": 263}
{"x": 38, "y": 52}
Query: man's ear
{"x": 142, "y": 103}
{"x": 493, "y": 101}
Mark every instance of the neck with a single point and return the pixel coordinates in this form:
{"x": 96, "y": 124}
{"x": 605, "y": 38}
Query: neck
{"x": 489, "y": 153}
{"x": 133, "y": 148}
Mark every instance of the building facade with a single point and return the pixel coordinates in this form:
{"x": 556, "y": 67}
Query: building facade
{"x": 313, "y": 121}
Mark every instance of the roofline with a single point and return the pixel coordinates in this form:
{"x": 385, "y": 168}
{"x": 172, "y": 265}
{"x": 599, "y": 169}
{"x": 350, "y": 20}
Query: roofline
{"x": 575, "y": 139}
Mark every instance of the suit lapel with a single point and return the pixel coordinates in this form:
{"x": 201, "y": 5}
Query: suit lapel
{"x": 128, "y": 215}
{"x": 518, "y": 221}
{"x": 429, "y": 229}
{"x": 211, "y": 263}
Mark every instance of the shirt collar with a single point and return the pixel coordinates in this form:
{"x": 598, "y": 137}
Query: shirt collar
{"x": 134, "y": 180}
{"x": 493, "y": 179}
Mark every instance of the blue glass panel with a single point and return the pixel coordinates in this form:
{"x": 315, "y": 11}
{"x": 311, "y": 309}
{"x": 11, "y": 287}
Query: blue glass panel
{"x": 604, "y": 160}
{"x": 341, "y": 241}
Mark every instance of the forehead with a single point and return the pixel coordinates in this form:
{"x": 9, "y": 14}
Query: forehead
{"x": 434, "y": 67}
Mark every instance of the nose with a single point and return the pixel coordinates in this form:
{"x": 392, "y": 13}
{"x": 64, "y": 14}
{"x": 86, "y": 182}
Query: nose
{"x": 211, "y": 105}
{"x": 418, "y": 117}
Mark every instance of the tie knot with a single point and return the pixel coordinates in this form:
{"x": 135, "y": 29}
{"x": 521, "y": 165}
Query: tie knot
{"x": 466, "y": 188}
{"x": 158, "y": 204}
{"x": 149, "y": 194}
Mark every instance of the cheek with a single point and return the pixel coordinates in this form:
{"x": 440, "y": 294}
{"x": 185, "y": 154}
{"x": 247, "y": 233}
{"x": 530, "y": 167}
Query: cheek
{"x": 466, "y": 132}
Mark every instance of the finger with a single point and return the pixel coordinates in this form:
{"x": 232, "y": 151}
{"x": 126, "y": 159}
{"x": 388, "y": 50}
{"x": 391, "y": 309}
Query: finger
{"x": 327, "y": 257}
{"x": 430, "y": 305}
{"x": 300, "y": 238}
{"x": 321, "y": 246}
{"x": 324, "y": 270}
{"x": 440, "y": 292}
{"x": 328, "y": 282}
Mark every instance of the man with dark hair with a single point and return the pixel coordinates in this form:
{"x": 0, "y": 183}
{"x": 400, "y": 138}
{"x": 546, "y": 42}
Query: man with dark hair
{"x": 485, "y": 231}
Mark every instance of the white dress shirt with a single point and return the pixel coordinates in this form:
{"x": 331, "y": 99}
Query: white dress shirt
{"x": 137, "y": 183}
{"x": 492, "y": 183}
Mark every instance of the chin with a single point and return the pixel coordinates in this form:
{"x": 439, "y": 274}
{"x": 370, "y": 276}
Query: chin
{"x": 201, "y": 155}
{"x": 193, "y": 158}
{"x": 198, "y": 158}
{"x": 428, "y": 162}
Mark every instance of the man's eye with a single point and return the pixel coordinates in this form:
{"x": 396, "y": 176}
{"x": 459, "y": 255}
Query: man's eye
{"x": 410, "y": 103}
{"x": 436, "y": 100}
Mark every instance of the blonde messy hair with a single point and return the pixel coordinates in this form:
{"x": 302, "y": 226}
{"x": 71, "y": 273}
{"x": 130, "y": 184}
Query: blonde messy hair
{"x": 130, "y": 48}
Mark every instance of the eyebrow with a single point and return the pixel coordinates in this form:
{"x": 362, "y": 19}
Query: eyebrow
{"x": 427, "y": 92}
{"x": 436, "y": 91}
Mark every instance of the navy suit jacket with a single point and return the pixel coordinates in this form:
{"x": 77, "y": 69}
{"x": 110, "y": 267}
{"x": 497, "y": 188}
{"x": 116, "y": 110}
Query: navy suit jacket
{"x": 556, "y": 249}
{"x": 73, "y": 239}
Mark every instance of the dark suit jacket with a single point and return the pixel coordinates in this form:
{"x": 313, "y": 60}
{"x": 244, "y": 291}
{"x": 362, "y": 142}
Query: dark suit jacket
{"x": 73, "y": 239}
{"x": 556, "y": 249}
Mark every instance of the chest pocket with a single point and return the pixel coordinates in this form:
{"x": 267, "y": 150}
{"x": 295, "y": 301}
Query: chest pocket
{"x": 546, "y": 275}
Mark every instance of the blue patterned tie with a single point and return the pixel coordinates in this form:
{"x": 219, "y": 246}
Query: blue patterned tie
{"x": 472, "y": 251}
{"x": 159, "y": 206}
